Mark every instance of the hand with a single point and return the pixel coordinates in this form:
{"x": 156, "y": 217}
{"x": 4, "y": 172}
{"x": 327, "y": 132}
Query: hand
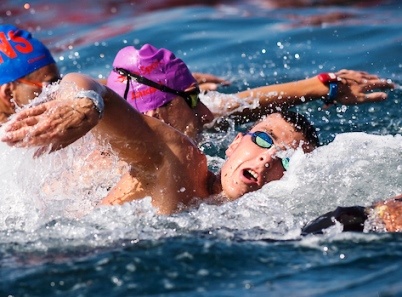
{"x": 357, "y": 86}
{"x": 51, "y": 125}
{"x": 209, "y": 82}
{"x": 390, "y": 211}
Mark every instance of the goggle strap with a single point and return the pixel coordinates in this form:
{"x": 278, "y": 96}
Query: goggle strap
{"x": 150, "y": 83}
{"x": 127, "y": 87}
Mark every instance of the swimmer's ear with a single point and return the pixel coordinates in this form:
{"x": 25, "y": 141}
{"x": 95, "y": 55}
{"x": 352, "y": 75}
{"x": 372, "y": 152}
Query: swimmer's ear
{"x": 232, "y": 147}
{"x": 5, "y": 94}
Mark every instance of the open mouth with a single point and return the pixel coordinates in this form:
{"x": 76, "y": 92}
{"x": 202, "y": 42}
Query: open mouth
{"x": 250, "y": 175}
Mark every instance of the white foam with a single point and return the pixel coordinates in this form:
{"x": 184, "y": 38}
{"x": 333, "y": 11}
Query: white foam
{"x": 56, "y": 195}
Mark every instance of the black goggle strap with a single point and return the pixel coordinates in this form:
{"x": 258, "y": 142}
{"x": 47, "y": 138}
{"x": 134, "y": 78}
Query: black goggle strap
{"x": 127, "y": 87}
{"x": 145, "y": 81}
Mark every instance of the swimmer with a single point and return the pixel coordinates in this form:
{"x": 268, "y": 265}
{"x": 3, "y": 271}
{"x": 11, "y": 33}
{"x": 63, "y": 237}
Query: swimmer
{"x": 80, "y": 119}
{"x": 382, "y": 216}
{"x": 22, "y": 80}
{"x": 27, "y": 66}
{"x": 162, "y": 161}
{"x": 157, "y": 83}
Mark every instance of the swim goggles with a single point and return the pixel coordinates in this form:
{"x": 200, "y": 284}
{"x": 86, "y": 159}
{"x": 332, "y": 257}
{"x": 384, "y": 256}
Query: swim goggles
{"x": 38, "y": 84}
{"x": 264, "y": 140}
{"x": 191, "y": 98}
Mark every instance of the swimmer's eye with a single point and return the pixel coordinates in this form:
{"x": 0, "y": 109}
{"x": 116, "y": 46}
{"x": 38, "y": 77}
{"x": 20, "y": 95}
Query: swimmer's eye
{"x": 264, "y": 140}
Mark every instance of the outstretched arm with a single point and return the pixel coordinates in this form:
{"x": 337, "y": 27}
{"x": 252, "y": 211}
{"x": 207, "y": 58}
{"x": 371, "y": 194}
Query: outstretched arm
{"x": 52, "y": 125}
{"x": 56, "y": 123}
{"x": 162, "y": 159}
{"x": 354, "y": 87}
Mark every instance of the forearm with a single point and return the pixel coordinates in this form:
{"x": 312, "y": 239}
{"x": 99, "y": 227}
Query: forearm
{"x": 145, "y": 143}
{"x": 348, "y": 87}
{"x": 131, "y": 135}
{"x": 252, "y": 104}
{"x": 287, "y": 94}
{"x": 121, "y": 125}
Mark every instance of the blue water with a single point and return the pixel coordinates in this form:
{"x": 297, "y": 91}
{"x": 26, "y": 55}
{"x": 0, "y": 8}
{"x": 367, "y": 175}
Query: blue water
{"x": 54, "y": 241}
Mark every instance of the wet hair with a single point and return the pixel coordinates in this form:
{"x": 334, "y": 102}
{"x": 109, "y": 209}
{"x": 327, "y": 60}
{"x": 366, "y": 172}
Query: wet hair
{"x": 301, "y": 124}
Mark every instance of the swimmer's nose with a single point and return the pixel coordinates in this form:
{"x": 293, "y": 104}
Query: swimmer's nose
{"x": 203, "y": 114}
{"x": 266, "y": 157}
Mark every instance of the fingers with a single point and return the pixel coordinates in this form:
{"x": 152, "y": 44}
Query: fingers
{"x": 17, "y": 138}
{"x": 29, "y": 132}
{"x": 208, "y": 87}
{"x": 31, "y": 112}
{"x": 351, "y": 74}
{"x": 359, "y": 77}
{"x": 378, "y": 84}
{"x": 18, "y": 124}
{"x": 368, "y": 81}
{"x": 374, "y": 97}
{"x": 209, "y": 78}
{"x": 27, "y": 117}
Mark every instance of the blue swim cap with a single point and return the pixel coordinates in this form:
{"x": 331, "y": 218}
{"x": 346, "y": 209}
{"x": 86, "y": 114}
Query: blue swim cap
{"x": 20, "y": 54}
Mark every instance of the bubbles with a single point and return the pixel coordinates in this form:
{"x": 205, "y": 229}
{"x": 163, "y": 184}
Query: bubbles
{"x": 57, "y": 195}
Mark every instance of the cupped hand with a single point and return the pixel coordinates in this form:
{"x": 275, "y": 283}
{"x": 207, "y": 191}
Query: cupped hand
{"x": 51, "y": 125}
{"x": 361, "y": 87}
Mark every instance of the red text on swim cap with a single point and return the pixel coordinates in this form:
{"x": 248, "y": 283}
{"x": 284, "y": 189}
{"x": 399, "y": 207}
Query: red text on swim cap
{"x": 20, "y": 45}
{"x": 144, "y": 70}
{"x": 139, "y": 94}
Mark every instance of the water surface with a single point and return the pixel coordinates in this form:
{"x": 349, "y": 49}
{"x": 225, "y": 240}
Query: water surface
{"x": 54, "y": 241}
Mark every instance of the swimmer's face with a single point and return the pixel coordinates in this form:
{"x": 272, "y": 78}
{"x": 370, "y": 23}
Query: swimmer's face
{"x": 20, "y": 92}
{"x": 178, "y": 114}
{"x": 31, "y": 86}
{"x": 248, "y": 166}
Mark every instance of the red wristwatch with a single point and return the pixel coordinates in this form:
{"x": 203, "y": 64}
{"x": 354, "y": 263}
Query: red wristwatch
{"x": 331, "y": 80}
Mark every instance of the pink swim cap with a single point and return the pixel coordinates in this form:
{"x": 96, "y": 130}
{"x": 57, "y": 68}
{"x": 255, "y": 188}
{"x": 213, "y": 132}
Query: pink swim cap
{"x": 158, "y": 65}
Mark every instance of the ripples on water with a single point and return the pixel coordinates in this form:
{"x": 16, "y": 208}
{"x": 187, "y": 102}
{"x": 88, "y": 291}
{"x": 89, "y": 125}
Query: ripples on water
{"x": 55, "y": 241}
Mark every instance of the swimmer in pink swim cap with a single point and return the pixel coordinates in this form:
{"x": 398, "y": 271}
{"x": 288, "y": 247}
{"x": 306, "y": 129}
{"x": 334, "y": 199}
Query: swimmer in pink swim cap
{"x": 157, "y": 83}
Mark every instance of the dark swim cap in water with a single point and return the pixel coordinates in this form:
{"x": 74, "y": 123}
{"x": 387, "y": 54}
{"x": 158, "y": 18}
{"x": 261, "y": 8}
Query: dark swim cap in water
{"x": 158, "y": 65}
{"x": 352, "y": 218}
{"x": 20, "y": 54}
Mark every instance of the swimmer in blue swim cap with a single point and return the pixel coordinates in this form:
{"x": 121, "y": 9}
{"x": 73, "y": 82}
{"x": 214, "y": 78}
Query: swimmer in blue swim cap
{"x": 26, "y": 66}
